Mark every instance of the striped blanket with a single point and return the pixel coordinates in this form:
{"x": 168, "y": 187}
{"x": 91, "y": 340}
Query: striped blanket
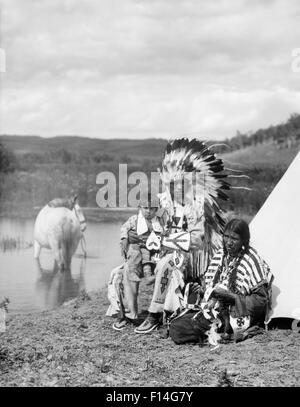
{"x": 251, "y": 272}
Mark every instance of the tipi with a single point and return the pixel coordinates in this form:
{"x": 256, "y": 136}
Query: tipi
{"x": 275, "y": 233}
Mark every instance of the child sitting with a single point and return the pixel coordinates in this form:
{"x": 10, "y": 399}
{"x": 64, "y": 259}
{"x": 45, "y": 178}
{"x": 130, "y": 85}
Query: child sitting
{"x": 140, "y": 242}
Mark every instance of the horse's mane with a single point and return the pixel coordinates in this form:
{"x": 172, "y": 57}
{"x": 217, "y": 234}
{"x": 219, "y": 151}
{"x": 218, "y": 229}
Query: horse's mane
{"x": 63, "y": 203}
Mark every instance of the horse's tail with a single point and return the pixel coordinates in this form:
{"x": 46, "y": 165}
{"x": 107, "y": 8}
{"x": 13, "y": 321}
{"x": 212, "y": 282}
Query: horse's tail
{"x": 66, "y": 257}
{"x": 66, "y": 246}
{"x": 71, "y": 236}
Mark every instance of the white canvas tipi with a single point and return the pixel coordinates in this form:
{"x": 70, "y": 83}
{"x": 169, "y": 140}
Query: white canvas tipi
{"x": 275, "y": 233}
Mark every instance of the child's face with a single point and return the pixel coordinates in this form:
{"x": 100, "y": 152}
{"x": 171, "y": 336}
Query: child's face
{"x": 149, "y": 212}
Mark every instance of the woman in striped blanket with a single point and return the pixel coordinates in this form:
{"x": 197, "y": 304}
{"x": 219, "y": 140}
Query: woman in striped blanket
{"x": 237, "y": 287}
{"x": 239, "y": 279}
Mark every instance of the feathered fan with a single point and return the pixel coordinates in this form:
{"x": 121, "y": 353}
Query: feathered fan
{"x": 198, "y": 173}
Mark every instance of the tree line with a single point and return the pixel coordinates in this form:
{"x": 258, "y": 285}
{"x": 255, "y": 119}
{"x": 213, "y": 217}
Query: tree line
{"x": 282, "y": 135}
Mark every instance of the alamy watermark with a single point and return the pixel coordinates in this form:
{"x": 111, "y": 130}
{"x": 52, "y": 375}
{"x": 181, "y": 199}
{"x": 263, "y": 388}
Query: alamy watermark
{"x": 129, "y": 190}
{"x": 2, "y": 61}
{"x": 296, "y": 60}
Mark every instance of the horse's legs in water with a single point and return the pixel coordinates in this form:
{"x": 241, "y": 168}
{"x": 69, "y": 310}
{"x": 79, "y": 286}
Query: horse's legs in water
{"x": 83, "y": 245}
{"x": 58, "y": 255}
{"x": 37, "y": 250}
{"x": 38, "y": 264}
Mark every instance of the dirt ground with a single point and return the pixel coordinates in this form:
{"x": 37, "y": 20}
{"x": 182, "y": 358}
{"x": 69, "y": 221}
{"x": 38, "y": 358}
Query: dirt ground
{"x": 76, "y": 346}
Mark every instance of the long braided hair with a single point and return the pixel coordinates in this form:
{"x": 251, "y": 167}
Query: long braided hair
{"x": 240, "y": 227}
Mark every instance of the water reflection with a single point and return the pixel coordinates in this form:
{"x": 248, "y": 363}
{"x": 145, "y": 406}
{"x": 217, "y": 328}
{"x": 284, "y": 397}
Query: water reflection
{"x": 30, "y": 289}
{"x": 54, "y": 287}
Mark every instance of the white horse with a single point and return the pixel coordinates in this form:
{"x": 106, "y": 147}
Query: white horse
{"x": 59, "y": 228}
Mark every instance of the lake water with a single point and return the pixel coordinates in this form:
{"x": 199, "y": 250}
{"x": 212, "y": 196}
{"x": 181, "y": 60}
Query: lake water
{"x": 32, "y": 288}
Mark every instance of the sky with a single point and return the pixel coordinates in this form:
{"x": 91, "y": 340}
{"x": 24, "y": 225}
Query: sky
{"x": 147, "y": 68}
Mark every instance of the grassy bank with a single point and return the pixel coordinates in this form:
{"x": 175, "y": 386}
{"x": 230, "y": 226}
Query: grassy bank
{"x": 76, "y": 346}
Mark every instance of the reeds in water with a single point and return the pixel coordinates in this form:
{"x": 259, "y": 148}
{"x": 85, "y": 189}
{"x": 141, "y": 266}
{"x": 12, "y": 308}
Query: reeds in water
{"x": 12, "y": 243}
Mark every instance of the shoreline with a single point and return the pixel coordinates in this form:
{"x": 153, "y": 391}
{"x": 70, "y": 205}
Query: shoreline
{"x": 75, "y": 345}
{"x": 91, "y": 214}
{"x": 101, "y": 214}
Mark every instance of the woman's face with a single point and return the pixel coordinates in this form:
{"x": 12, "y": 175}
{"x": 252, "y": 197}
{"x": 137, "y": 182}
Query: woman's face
{"x": 232, "y": 242}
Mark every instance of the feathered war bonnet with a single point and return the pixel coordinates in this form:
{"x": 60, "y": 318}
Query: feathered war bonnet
{"x": 191, "y": 165}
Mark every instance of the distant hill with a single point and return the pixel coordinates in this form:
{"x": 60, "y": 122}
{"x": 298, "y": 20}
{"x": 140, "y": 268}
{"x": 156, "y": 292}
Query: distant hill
{"x": 36, "y": 169}
{"x": 149, "y": 152}
{"x": 83, "y": 145}
{"x": 261, "y": 155}
{"x": 284, "y": 137}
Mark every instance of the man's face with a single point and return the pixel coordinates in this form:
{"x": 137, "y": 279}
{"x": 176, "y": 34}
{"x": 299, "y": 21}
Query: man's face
{"x": 178, "y": 190}
{"x": 232, "y": 242}
{"x": 149, "y": 211}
